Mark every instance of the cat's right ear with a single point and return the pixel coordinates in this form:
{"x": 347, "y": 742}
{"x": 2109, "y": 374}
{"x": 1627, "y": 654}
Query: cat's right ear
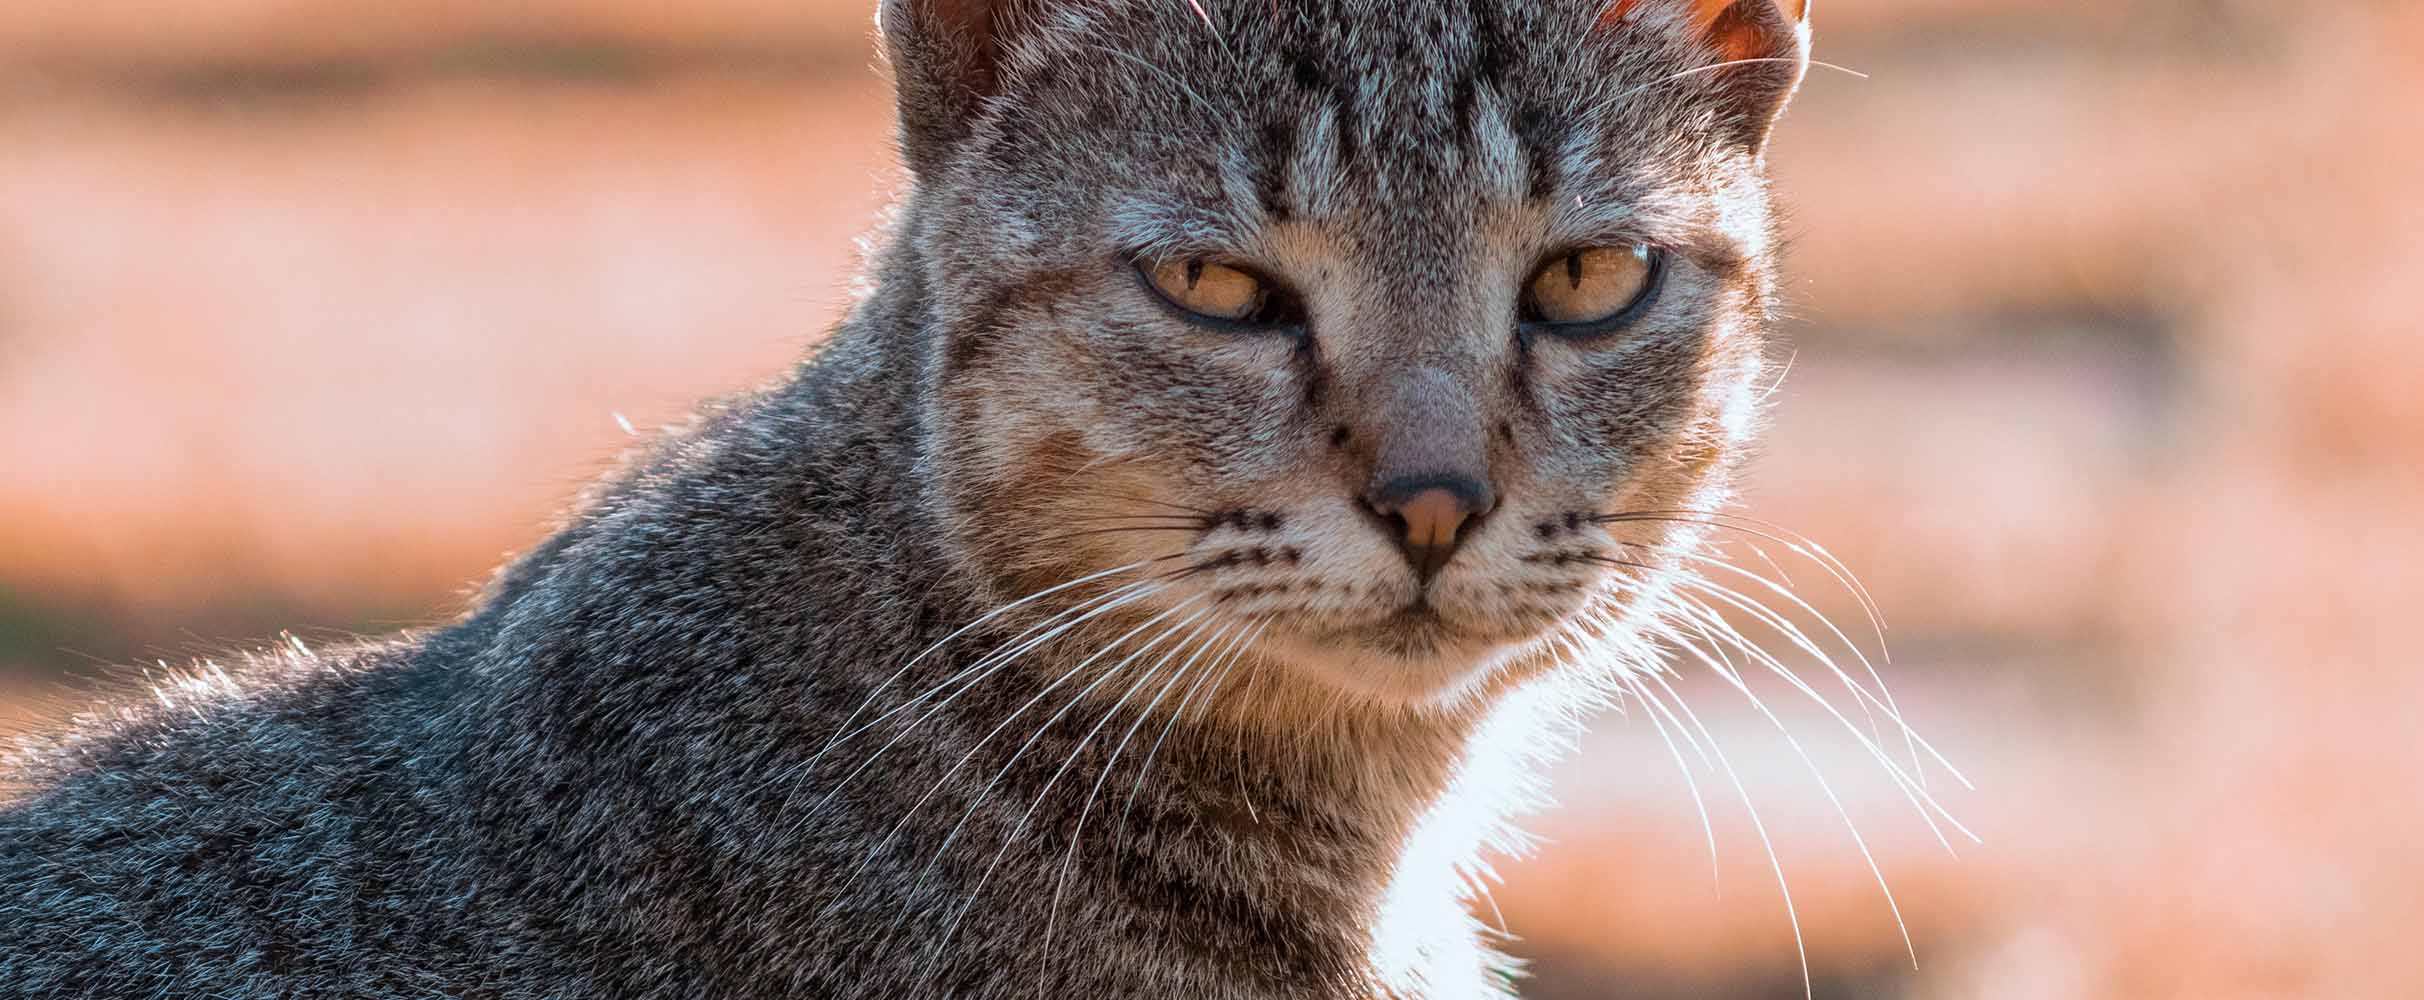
{"x": 947, "y": 59}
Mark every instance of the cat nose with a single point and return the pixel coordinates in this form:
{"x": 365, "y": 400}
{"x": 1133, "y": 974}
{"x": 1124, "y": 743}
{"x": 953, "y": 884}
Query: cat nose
{"x": 1430, "y": 516}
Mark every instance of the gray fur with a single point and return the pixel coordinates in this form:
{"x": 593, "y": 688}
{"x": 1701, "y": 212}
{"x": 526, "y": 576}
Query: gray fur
{"x": 638, "y": 769}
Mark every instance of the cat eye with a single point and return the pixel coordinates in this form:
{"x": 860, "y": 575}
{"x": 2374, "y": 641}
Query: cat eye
{"x": 1220, "y": 294}
{"x": 1585, "y": 292}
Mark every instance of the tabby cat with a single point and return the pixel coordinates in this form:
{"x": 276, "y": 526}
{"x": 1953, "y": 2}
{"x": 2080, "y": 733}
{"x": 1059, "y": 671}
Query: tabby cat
{"x": 1270, "y": 423}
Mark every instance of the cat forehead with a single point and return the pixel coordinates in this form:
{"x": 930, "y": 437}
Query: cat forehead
{"x": 1350, "y": 108}
{"x": 1414, "y": 73}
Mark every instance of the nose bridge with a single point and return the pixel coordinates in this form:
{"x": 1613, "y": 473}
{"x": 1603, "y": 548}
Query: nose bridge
{"x": 1432, "y": 431}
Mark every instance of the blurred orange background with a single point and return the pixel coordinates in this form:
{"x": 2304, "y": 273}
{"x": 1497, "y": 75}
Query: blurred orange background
{"x": 2106, "y": 378}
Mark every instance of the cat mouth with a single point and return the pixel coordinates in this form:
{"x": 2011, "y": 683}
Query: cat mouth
{"x": 1415, "y": 630}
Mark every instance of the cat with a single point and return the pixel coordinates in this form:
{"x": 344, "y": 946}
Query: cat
{"x": 1269, "y": 426}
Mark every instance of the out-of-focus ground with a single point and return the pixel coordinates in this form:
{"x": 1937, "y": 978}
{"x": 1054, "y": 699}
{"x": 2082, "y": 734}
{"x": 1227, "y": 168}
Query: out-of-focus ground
{"x": 2106, "y": 378}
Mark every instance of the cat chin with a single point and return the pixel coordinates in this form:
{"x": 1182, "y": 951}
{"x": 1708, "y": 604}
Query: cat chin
{"x": 1393, "y": 663}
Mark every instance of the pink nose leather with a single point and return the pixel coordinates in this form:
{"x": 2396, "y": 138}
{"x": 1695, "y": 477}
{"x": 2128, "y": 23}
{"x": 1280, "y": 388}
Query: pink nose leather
{"x": 1431, "y": 519}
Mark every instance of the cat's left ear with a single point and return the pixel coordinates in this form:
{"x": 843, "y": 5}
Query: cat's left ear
{"x": 947, "y": 59}
{"x": 1758, "y": 52}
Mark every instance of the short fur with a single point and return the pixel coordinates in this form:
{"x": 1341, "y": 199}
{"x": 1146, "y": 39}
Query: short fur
{"x": 732, "y": 732}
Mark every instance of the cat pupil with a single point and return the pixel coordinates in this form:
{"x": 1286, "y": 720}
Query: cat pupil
{"x": 1574, "y": 270}
{"x": 1195, "y": 273}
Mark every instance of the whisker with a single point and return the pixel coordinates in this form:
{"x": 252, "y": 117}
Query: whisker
{"x": 1076, "y": 750}
{"x": 1206, "y": 17}
{"x": 1828, "y": 789}
{"x": 1688, "y": 612}
{"x": 1772, "y": 564}
{"x": 977, "y": 670}
{"x": 1011, "y": 648}
{"x": 1842, "y": 574}
{"x": 1722, "y": 635}
{"x": 1782, "y": 372}
{"x": 1203, "y": 709}
{"x": 1220, "y": 664}
{"x": 1714, "y": 627}
{"x": 1793, "y": 634}
{"x": 1613, "y": 561}
{"x": 908, "y": 898}
{"x": 1893, "y": 710}
{"x": 1060, "y": 883}
{"x": 1861, "y": 697}
{"x": 1601, "y": 104}
{"x": 1132, "y": 498}
{"x": 1031, "y": 703}
{"x": 963, "y": 630}
{"x": 1141, "y": 529}
{"x": 1758, "y": 825}
{"x": 1690, "y": 784}
{"x": 1134, "y": 593}
{"x": 1156, "y": 518}
{"x": 1713, "y": 67}
{"x": 1000, "y": 661}
{"x": 1793, "y": 541}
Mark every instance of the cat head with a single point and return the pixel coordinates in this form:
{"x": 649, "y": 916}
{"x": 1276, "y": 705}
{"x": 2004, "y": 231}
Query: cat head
{"x": 1347, "y": 322}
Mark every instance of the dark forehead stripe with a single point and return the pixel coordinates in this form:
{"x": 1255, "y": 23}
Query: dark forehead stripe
{"x": 1273, "y": 150}
{"x": 1536, "y": 135}
{"x": 1423, "y": 96}
{"x": 1495, "y": 58}
{"x": 1488, "y": 66}
{"x": 1307, "y": 85}
{"x": 1318, "y": 79}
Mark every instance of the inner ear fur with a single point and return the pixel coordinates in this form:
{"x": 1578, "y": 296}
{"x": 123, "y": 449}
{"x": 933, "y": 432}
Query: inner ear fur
{"x": 947, "y": 58}
{"x": 1760, "y": 48}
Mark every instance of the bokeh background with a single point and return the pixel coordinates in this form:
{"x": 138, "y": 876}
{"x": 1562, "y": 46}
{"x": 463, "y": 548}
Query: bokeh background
{"x": 2106, "y": 377}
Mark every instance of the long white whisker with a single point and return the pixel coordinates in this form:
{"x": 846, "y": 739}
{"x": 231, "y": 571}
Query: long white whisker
{"x": 1772, "y": 620}
{"x": 1220, "y": 664}
{"x": 1910, "y": 736}
{"x": 1601, "y": 104}
{"x": 1793, "y": 541}
{"x": 1016, "y": 646}
{"x": 1001, "y": 660}
{"x": 1061, "y": 883}
{"x": 1605, "y": 620}
{"x": 1022, "y": 710}
{"x": 1808, "y": 985}
{"x": 993, "y": 656}
{"x": 963, "y": 630}
{"x": 1721, "y": 633}
{"x": 1134, "y": 593}
{"x": 1713, "y": 67}
{"x": 1783, "y": 372}
{"x": 1075, "y": 751}
{"x": 1861, "y": 697}
{"x": 1691, "y": 784}
{"x": 1828, "y": 788}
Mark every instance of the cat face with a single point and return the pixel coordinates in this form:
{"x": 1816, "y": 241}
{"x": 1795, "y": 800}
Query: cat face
{"x": 1349, "y": 322}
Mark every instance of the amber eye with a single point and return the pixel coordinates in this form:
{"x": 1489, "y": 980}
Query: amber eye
{"x": 1591, "y": 288}
{"x": 1217, "y": 292}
